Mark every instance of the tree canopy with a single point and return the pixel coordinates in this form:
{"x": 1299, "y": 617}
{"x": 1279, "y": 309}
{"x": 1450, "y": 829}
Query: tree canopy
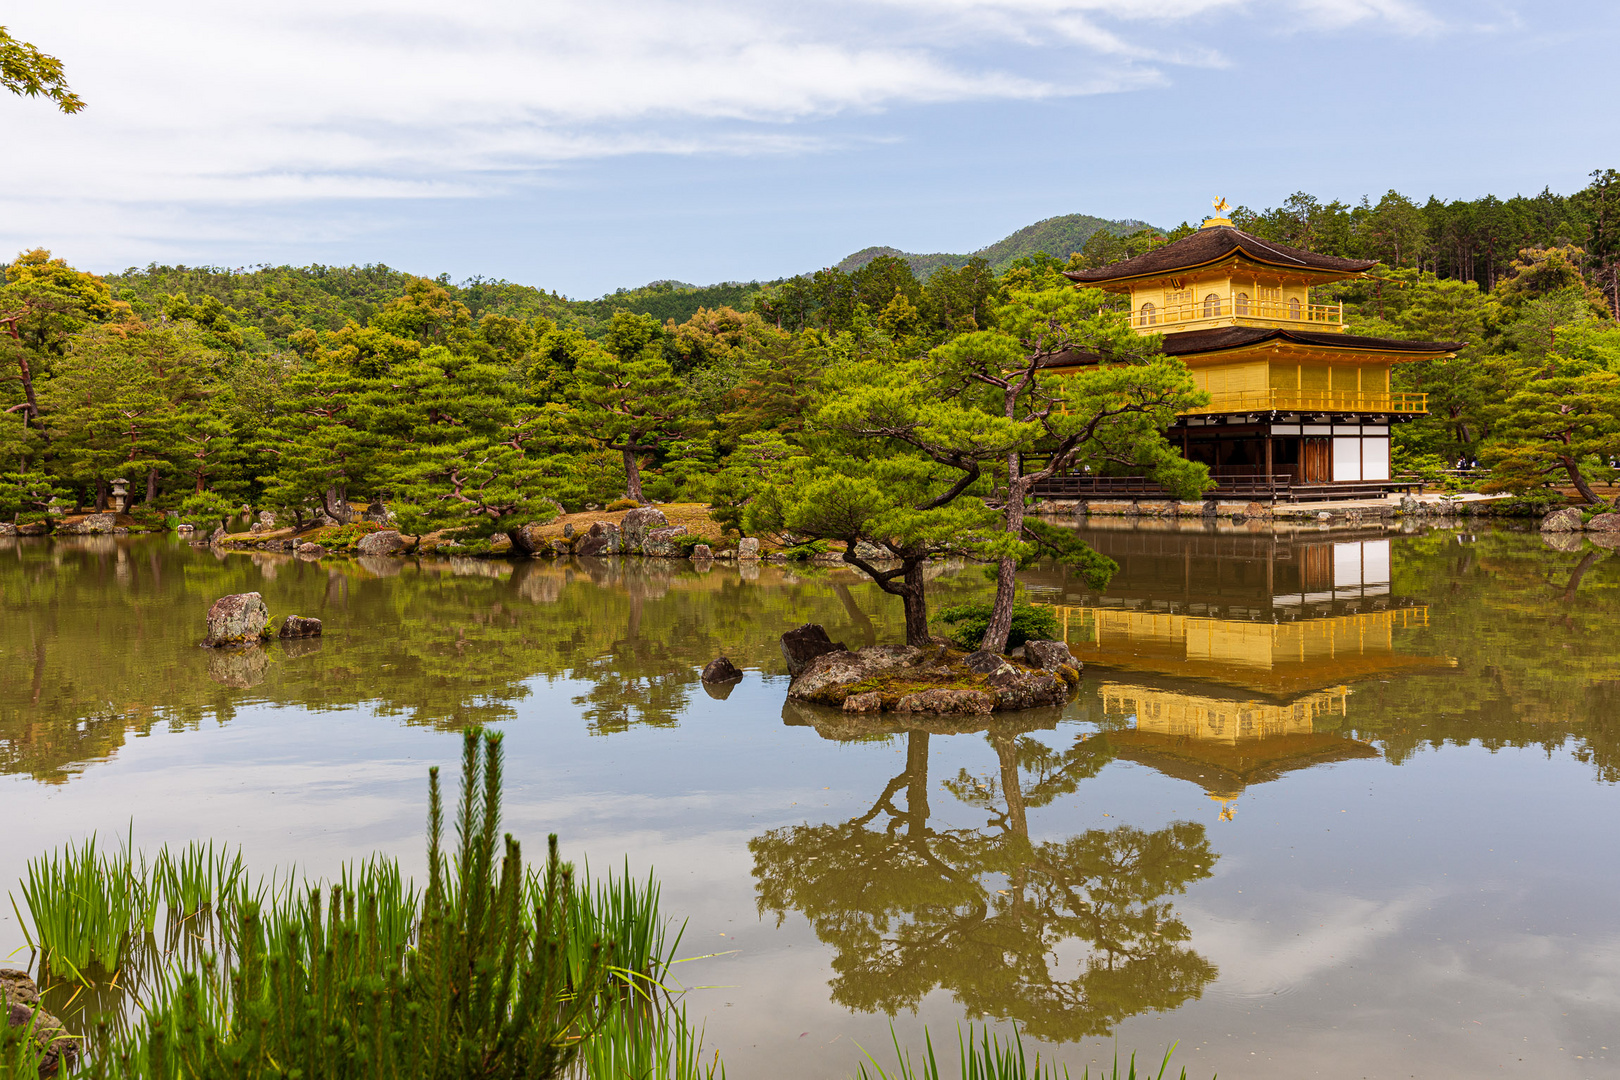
{"x": 26, "y": 71}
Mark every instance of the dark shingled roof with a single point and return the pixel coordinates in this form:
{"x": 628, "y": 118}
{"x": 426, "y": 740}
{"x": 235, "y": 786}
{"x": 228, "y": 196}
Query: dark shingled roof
{"x": 1192, "y": 342}
{"x": 1189, "y": 342}
{"x": 1212, "y": 244}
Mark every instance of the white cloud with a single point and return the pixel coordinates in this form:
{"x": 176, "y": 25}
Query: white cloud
{"x": 201, "y": 104}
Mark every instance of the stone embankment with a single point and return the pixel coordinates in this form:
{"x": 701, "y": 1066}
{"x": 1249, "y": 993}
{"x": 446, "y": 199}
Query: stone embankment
{"x": 1239, "y": 511}
{"x": 940, "y": 680}
{"x": 1569, "y": 527}
{"x": 643, "y": 531}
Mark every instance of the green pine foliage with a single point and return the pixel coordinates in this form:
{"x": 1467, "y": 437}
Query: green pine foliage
{"x": 1030, "y": 622}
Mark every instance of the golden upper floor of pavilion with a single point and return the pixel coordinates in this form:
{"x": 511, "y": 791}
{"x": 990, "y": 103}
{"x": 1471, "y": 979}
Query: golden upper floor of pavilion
{"x": 1222, "y": 276}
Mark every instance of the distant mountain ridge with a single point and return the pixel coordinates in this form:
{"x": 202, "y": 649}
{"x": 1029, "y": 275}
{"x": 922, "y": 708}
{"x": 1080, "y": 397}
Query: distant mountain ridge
{"x": 1057, "y": 236}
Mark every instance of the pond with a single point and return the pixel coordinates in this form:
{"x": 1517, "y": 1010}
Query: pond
{"x": 1339, "y": 804}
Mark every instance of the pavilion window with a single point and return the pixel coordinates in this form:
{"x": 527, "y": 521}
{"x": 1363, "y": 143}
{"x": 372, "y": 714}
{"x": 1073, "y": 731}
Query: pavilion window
{"x": 1293, "y": 307}
{"x": 1212, "y": 306}
{"x": 1240, "y": 304}
{"x": 1150, "y": 315}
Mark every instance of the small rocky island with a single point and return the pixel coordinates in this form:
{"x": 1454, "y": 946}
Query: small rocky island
{"x": 938, "y": 680}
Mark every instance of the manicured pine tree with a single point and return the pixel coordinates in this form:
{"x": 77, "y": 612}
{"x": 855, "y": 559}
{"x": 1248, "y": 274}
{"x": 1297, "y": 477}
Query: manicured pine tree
{"x": 629, "y": 397}
{"x": 1109, "y": 411}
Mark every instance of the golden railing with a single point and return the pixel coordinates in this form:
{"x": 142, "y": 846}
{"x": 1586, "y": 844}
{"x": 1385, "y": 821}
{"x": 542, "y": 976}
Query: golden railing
{"x": 1323, "y": 401}
{"x": 1225, "y": 307}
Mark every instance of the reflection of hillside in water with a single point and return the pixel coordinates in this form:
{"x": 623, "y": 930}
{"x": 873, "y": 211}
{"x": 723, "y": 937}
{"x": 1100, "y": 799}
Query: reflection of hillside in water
{"x": 1068, "y": 936}
{"x": 99, "y": 638}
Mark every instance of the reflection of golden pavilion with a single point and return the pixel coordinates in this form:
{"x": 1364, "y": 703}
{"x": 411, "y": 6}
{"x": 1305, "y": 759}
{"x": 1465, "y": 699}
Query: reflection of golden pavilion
{"x": 1267, "y": 613}
{"x": 1273, "y": 657}
{"x": 1228, "y": 659}
{"x": 1179, "y": 713}
{"x": 1226, "y": 743}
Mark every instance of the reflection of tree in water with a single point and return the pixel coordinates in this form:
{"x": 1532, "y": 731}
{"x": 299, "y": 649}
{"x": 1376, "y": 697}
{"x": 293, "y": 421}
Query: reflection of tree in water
{"x": 642, "y": 678}
{"x": 986, "y": 913}
{"x": 1532, "y": 630}
{"x": 99, "y": 636}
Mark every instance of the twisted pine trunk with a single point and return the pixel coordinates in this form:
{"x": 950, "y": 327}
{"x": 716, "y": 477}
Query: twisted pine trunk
{"x": 915, "y": 602}
{"x": 632, "y": 474}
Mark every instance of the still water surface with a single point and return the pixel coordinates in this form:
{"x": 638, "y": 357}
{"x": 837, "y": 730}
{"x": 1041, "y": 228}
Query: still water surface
{"x": 1328, "y": 804}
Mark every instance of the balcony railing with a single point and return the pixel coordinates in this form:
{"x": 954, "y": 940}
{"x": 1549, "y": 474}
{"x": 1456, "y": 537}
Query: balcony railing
{"x": 1315, "y": 401}
{"x": 1225, "y": 307}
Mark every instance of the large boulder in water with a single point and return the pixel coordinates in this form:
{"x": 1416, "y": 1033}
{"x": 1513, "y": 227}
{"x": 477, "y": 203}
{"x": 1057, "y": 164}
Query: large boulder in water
{"x": 1018, "y": 689}
{"x": 721, "y": 670}
{"x": 530, "y": 540}
{"x": 1566, "y": 520}
{"x": 945, "y": 702}
{"x": 637, "y": 523}
{"x": 238, "y": 619}
{"x": 803, "y": 644}
{"x": 1604, "y": 523}
{"x": 828, "y": 678}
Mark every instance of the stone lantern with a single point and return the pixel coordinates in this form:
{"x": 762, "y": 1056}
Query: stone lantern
{"x": 120, "y": 496}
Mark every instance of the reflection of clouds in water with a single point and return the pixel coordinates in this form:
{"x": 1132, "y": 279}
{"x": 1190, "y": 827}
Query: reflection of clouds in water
{"x": 1588, "y": 969}
{"x": 1328, "y": 932}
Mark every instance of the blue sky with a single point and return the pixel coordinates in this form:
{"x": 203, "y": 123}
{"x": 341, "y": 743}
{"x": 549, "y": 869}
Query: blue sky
{"x": 584, "y": 147}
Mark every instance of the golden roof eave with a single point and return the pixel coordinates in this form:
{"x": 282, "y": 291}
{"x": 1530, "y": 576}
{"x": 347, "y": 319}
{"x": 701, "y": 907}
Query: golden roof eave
{"x": 1274, "y": 348}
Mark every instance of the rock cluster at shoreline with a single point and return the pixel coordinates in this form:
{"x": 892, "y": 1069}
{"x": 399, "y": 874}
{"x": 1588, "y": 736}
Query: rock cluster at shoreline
{"x": 1569, "y": 529}
{"x": 20, "y": 997}
{"x": 939, "y": 680}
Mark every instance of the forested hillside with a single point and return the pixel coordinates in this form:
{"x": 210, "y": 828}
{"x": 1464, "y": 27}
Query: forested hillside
{"x": 1055, "y": 236}
{"x": 477, "y": 404}
{"x": 269, "y": 303}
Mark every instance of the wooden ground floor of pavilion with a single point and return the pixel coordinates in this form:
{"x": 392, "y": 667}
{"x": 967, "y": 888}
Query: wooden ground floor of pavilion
{"x": 1276, "y": 456}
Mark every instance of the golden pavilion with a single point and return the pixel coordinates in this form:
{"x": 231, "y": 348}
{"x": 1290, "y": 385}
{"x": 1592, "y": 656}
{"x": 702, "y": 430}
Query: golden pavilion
{"x": 1298, "y": 408}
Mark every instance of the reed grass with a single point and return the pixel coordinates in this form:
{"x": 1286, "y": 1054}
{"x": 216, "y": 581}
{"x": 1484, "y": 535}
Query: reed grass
{"x": 367, "y": 977}
{"x": 85, "y": 906}
{"x": 622, "y": 914}
{"x": 986, "y": 1056}
{"x": 198, "y": 879}
{"x": 647, "y": 1044}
